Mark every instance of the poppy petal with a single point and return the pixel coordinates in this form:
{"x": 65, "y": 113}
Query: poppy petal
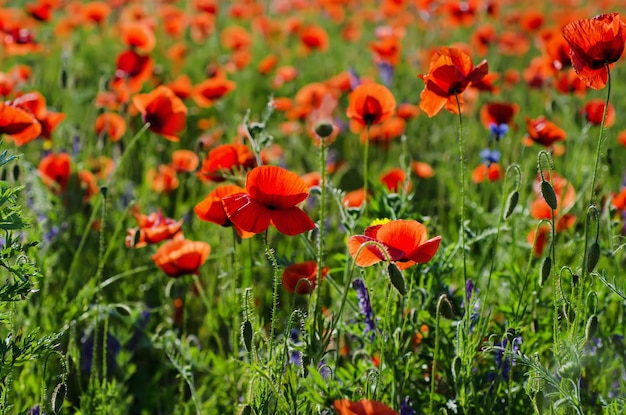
{"x": 370, "y": 254}
{"x": 275, "y": 187}
{"x": 291, "y": 221}
{"x": 246, "y": 213}
{"x": 426, "y": 251}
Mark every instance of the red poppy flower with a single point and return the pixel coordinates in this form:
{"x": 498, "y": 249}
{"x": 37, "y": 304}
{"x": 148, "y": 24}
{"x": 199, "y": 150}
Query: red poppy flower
{"x": 111, "y": 124}
{"x": 211, "y": 209}
{"x": 407, "y": 111}
{"x": 362, "y": 407}
{"x": 301, "y": 278}
{"x": 568, "y": 82}
{"x": 495, "y": 114}
{"x": 181, "y": 256}
{"x": 450, "y": 72}
{"x": 226, "y": 159}
{"x": 132, "y": 70}
{"x": 406, "y": 243}
{"x": 370, "y": 104}
{"x": 493, "y": 172}
{"x": 395, "y": 180}
{"x": 55, "y": 171}
{"x": 595, "y": 43}
{"x": 354, "y": 198}
{"x": 184, "y": 161}
{"x": 594, "y": 110}
{"x": 235, "y": 38}
{"x": 162, "y": 179}
{"x": 422, "y": 169}
{"x": 207, "y": 92}
{"x": 314, "y": 37}
{"x": 181, "y": 87}
{"x": 273, "y": 194}
{"x": 152, "y": 229}
{"x": 21, "y": 125}
{"x": 386, "y": 49}
{"x": 139, "y": 36}
{"x": 619, "y": 199}
{"x": 542, "y": 131}
{"x": 35, "y": 103}
{"x": 165, "y": 112}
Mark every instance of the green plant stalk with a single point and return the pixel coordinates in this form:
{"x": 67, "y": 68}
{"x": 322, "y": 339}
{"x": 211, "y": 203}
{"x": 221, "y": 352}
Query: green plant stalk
{"x": 463, "y": 242}
{"x": 269, "y": 252}
{"x": 365, "y": 168}
{"x": 435, "y": 354}
{"x": 320, "y": 232}
{"x": 601, "y": 138}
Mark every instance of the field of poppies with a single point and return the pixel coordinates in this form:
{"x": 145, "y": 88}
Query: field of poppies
{"x": 312, "y": 207}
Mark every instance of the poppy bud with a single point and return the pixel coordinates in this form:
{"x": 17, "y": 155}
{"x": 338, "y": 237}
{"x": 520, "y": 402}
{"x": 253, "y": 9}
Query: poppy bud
{"x": 445, "y": 307}
{"x": 246, "y": 334}
{"x": 593, "y": 256}
{"x": 324, "y": 129}
{"x": 104, "y": 190}
{"x": 397, "y": 280}
{"x": 546, "y": 267}
{"x": 511, "y": 203}
{"x": 547, "y": 191}
{"x": 575, "y": 279}
{"x": 592, "y": 327}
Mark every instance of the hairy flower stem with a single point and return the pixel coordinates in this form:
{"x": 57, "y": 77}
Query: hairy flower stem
{"x": 594, "y": 175}
{"x": 320, "y": 230}
{"x": 433, "y": 370}
{"x": 269, "y": 252}
{"x": 365, "y": 168}
{"x": 463, "y": 242}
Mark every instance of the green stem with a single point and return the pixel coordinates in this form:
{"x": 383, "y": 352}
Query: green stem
{"x": 365, "y": 168}
{"x": 320, "y": 230}
{"x": 600, "y": 138}
{"x": 269, "y": 252}
{"x": 463, "y": 242}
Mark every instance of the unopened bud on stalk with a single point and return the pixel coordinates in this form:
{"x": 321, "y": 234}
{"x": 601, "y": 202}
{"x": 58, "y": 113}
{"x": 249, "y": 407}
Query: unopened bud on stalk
{"x": 323, "y": 129}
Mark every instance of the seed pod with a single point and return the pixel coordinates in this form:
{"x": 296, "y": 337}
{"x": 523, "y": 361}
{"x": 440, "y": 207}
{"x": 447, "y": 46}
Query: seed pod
{"x": 246, "y": 334}
{"x": 546, "y": 268}
{"x": 397, "y": 280}
{"x": 548, "y": 194}
{"x": 593, "y": 256}
{"x": 592, "y": 327}
{"x": 511, "y": 203}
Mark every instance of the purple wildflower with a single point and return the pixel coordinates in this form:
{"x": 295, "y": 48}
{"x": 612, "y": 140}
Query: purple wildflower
{"x": 365, "y": 306}
{"x": 405, "y": 407}
{"x": 385, "y": 73}
{"x": 505, "y": 364}
{"x": 295, "y": 356}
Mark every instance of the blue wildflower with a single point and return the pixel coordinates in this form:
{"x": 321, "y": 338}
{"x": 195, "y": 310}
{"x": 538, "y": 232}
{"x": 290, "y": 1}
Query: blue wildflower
{"x": 365, "y": 306}
{"x": 489, "y": 156}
